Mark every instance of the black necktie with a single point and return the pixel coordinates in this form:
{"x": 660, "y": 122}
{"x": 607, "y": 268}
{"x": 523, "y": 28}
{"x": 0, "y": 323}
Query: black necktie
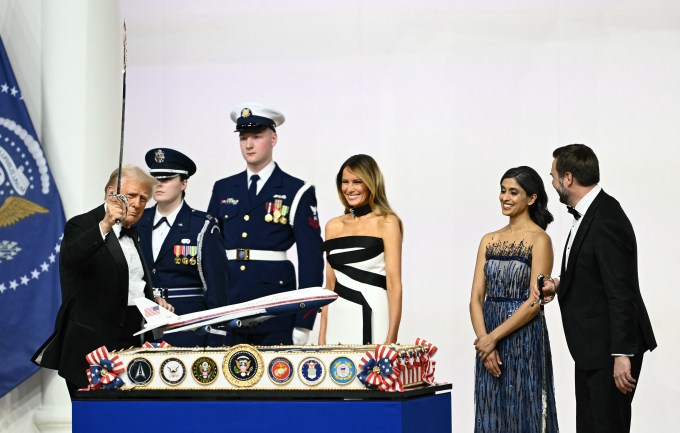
{"x": 161, "y": 221}
{"x": 128, "y": 231}
{"x": 574, "y": 212}
{"x": 252, "y": 191}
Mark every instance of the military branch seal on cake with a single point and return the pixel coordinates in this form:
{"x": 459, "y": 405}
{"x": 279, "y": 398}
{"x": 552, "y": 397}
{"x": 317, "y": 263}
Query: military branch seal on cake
{"x": 391, "y": 368}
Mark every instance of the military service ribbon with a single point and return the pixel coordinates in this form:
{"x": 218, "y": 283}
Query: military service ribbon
{"x": 268, "y": 207}
{"x": 284, "y": 212}
{"x": 177, "y": 250}
{"x": 277, "y": 209}
{"x": 193, "y": 251}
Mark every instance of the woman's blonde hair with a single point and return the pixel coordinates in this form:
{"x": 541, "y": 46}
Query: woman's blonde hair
{"x": 366, "y": 169}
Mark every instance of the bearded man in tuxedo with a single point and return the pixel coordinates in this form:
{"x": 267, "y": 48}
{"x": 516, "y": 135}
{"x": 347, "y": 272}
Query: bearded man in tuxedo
{"x": 605, "y": 320}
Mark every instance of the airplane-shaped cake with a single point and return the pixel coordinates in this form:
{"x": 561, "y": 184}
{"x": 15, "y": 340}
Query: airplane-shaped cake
{"x": 218, "y": 320}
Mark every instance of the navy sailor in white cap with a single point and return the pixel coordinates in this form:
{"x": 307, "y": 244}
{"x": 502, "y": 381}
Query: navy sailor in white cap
{"x": 183, "y": 247}
{"x": 263, "y": 212}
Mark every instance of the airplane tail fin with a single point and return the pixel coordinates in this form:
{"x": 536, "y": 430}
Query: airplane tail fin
{"x": 154, "y": 315}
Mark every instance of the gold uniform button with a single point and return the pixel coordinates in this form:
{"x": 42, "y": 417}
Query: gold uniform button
{"x": 246, "y": 217}
{"x": 244, "y": 235}
{"x": 243, "y": 267}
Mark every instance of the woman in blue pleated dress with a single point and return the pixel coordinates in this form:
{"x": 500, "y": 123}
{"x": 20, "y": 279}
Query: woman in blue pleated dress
{"x": 513, "y": 370}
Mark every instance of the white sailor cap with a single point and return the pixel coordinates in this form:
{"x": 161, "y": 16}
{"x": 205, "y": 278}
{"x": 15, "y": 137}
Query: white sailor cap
{"x": 249, "y": 116}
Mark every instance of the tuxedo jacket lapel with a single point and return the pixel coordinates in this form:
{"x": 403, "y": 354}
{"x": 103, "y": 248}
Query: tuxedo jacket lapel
{"x": 148, "y": 290}
{"x": 581, "y": 234}
{"x": 111, "y": 242}
{"x": 116, "y": 251}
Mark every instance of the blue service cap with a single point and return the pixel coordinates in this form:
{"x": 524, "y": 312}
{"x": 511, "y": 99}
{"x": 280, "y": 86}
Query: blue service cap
{"x": 164, "y": 163}
{"x": 249, "y": 116}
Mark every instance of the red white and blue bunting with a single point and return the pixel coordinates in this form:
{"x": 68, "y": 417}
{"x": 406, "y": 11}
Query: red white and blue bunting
{"x": 152, "y": 345}
{"x": 428, "y": 350}
{"x": 104, "y": 370}
{"x": 380, "y": 370}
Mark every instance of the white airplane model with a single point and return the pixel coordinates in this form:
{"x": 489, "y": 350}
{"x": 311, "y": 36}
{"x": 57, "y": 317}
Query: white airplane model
{"x": 250, "y": 313}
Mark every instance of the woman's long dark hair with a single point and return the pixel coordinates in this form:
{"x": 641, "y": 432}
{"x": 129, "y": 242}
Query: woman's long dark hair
{"x": 532, "y": 183}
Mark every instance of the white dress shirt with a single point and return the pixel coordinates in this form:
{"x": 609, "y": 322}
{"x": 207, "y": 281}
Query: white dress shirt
{"x": 581, "y": 207}
{"x": 264, "y": 174}
{"x": 161, "y": 232}
{"x": 136, "y": 281}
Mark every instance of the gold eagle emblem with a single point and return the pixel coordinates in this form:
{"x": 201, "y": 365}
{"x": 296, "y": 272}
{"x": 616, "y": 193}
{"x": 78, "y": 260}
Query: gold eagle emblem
{"x": 16, "y": 208}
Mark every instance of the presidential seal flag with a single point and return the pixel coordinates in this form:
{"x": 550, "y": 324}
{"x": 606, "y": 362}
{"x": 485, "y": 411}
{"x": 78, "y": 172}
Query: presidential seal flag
{"x": 31, "y": 228}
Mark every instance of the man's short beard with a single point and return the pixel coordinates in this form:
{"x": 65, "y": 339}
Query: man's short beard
{"x": 562, "y": 193}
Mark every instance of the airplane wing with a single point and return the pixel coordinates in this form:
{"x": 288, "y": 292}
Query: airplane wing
{"x": 218, "y": 319}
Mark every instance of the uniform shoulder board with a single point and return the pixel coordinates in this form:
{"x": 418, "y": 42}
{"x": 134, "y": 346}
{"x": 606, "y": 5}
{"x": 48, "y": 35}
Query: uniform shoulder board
{"x": 198, "y": 213}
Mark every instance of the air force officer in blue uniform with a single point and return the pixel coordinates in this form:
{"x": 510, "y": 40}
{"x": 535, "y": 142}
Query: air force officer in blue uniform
{"x": 263, "y": 212}
{"x": 182, "y": 246}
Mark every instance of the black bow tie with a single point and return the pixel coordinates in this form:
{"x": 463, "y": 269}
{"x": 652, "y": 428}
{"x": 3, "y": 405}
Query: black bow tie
{"x": 128, "y": 231}
{"x": 574, "y": 212}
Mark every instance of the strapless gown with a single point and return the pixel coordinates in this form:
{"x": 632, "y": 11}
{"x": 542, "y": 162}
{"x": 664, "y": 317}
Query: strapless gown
{"x": 360, "y": 315}
{"x": 522, "y": 399}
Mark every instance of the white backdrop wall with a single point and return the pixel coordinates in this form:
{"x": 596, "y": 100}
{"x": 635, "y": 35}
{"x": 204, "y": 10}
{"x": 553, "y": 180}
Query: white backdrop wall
{"x": 446, "y": 96}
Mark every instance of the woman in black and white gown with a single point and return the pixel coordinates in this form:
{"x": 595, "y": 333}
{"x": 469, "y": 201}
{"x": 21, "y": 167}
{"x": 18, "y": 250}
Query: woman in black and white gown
{"x": 363, "y": 252}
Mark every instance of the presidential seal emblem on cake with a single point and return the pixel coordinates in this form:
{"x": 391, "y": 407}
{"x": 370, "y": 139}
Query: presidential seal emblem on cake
{"x": 280, "y": 370}
{"x": 204, "y": 370}
{"x": 312, "y": 371}
{"x": 388, "y": 368}
{"x": 342, "y": 370}
{"x": 140, "y": 371}
{"x": 173, "y": 371}
{"x": 243, "y": 366}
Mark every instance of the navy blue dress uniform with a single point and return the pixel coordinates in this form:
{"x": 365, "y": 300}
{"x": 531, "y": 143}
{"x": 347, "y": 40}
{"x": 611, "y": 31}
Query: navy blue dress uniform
{"x": 190, "y": 270}
{"x": 258, "y": 231}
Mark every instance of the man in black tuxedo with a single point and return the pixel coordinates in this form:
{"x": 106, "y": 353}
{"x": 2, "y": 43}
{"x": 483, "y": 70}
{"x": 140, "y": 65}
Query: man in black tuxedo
{"x": 101, "y": 274}
{"x": 605, "y": 321}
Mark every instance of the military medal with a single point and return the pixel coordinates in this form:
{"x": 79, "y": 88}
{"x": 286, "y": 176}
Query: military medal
{"x": 185, "y": 253}
{"x": 192, "y": 252}
{"x": 269, "y": 216}
{"x": 177, "y": 250}
{"x": 284, "y": 212}
{"x": 277, "y": 210}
